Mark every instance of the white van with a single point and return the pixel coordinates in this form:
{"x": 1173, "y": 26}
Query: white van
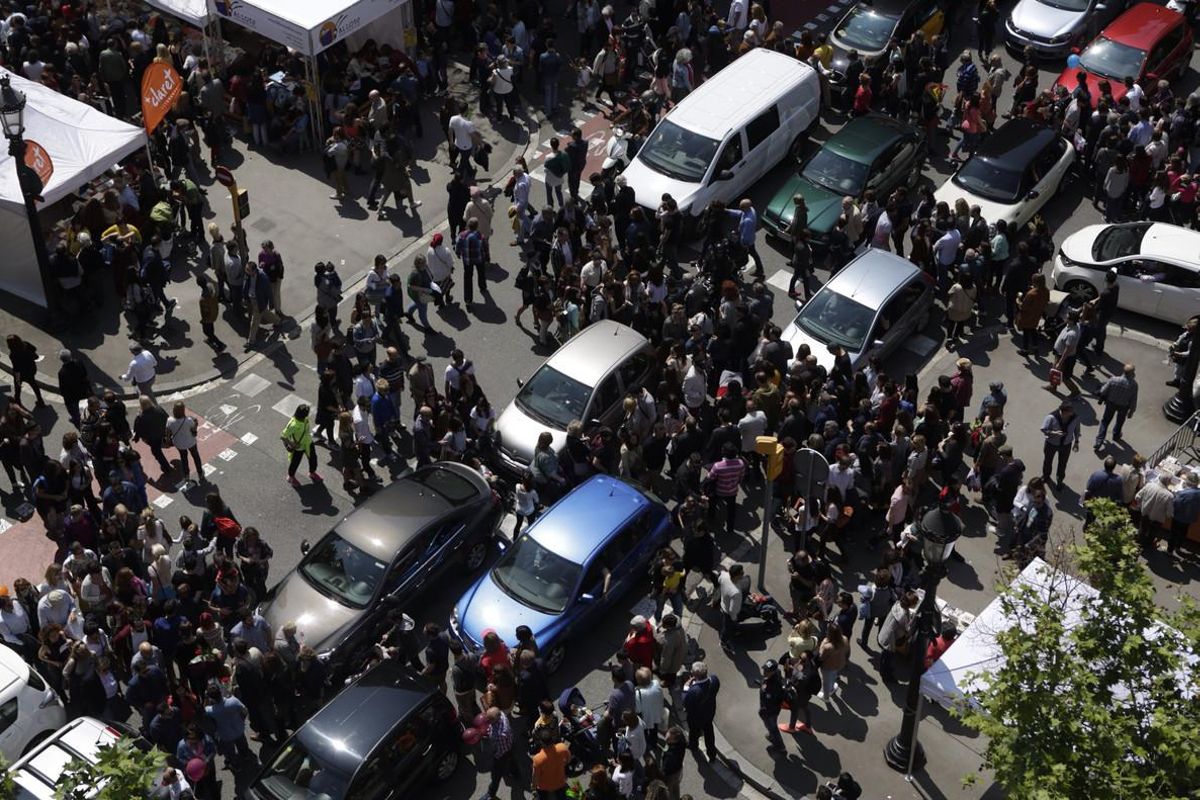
{"x": 727, "y": 133}
{"x": 29, "y": 709}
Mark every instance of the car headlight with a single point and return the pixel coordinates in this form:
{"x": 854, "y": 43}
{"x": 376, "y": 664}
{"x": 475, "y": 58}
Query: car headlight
{"x": 1063, "y": 39}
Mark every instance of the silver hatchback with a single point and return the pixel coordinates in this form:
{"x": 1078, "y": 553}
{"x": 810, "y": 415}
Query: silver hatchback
{"x": 584, "y": 380}
{"x": 869, "y": 307}
{"x": 1054, "y": 28}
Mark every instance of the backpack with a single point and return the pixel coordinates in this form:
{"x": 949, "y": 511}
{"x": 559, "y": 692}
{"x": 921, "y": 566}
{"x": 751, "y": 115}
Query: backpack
{"x": 227, "y": 528}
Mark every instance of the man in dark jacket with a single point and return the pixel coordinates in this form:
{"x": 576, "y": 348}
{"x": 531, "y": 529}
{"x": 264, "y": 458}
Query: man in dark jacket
{"x": 770, "y": 702}
{"x": 150, "y": 426}
{"x": 700, "y": 702}
{"x": 73, "y": 384}
{"x": 577, "y": 151}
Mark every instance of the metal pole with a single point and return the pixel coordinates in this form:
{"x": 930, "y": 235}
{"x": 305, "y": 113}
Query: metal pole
{"x": 904, "y": 752}
{"x": 768, "y": 499}
{"x": 916, "y": 724}
{"x": 27, "y": 183}
{"x": 315, "y": 101}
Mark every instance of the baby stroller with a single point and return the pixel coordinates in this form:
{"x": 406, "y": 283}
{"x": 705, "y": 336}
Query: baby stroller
{"x": 578, "y": 730}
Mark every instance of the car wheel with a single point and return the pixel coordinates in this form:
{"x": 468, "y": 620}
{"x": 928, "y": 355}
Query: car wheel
{"x": 1079, "y": 292}
{"x": 446, "y": 766}
{"x": 555, "y": 658}
{"x": 476, "y": 554}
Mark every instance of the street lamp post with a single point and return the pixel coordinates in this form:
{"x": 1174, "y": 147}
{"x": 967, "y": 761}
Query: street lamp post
{"x": 12, "y": 114}
{"x": 939, "y": 529}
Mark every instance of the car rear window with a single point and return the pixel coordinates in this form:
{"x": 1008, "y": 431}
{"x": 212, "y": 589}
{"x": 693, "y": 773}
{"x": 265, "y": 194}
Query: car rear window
{"x": 450, "y": 485}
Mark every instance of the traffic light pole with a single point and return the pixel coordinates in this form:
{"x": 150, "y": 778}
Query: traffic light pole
{"x": 769, "y": 447}
{"x": 238, "y": 230}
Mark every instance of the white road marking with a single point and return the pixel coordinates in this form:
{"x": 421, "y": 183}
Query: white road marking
{"x": 288, "y": 405}
{"x": 228, "y": 409}
{"x": 5, "y": 525}
{"x": 780, "y": 279}
{"x": 249, "y": 438}
{"x": 251, "y": 385}
{"x": 209, "y": 469}
{"x": 227, "y": 455}
{"x": 163, "y": 500}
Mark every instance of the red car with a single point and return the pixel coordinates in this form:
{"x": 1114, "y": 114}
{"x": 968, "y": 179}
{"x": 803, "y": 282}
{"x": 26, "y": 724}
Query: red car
{"x": 1148, "y": 43}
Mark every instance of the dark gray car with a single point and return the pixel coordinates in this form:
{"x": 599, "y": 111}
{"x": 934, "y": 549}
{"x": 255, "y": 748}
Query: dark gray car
{"x": 382, "y": 555}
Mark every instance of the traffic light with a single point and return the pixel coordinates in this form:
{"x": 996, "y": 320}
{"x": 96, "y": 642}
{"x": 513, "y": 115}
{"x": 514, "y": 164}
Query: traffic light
{"x": 243, "y": 203}
{"x": 770, "y": 447}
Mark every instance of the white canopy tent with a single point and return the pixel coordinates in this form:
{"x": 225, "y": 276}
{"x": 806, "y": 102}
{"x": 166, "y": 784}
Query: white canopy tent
{"x": 965, "y": 665}
{"x": 194, "y": 12}
{"x": 82, "y": 144}
{"x": 307, "y": 26}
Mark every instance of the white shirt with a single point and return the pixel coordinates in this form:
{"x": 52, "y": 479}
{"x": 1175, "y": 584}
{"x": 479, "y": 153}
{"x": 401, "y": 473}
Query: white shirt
{"x": 13, "y": 623}
{"x": 1135, "y": 94}
{"x": 179, "y": 433}
{"x": 525, "y": 502}
{"x": 592, "y": 272}
{"x": 454, "y": 374}
{"x": 695, "y": 387}
{"x": 440, "y": 263}
{"x": 753, "y": 425}
{"x": 141, "y": 368}
{"x": 521, "y": 190}
{"x": 462, "y": 129}
{"x": 480, "y": 422}
{"x": 362, "y": 426}
{"x": 737, "y": 15}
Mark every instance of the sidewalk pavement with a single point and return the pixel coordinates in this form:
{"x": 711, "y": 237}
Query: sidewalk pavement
{"x": 851, "y": 732}
{"x": 289, "y": 205}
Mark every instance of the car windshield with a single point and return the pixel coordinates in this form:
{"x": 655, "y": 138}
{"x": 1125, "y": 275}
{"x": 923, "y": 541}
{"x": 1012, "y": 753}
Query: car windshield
{"x": 836, "y": 319}
{"x": 1119, "y": 240}
{"x": 537, "y": 577}
{"x": 296, "y": 774}
{"x": 553, "y": 398}
{"x": 836, "y": 172}
{"x": 989, "y": 180}
{"x": 866, "y": 29}
{"x": 678, "y": 153}
{"x": 1112, "y": 59}
{"x": 340, "y": 570}
{"x": 1067, "y": 5}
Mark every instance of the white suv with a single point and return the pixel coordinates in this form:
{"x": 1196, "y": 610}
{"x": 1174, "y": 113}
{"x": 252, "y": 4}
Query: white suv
{"x": 29, "y": 709}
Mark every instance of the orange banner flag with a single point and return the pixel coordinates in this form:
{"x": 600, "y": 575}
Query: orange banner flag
{"x": 161, "y": 86}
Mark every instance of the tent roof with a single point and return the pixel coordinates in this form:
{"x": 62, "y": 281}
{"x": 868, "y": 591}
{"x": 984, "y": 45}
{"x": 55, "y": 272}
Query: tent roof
{"x": 976, "y": 653}
{"x": 193, "y": 11}
{"x": 81, "y": 141}
{"x": 309, "y": 26}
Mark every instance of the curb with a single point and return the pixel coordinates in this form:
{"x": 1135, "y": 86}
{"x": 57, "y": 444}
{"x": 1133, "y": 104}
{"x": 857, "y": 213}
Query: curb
{"x": 49, "y": 383}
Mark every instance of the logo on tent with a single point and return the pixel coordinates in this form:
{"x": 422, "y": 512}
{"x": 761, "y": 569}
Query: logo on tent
{"x": 226, "y": 7}
{"x": 328, "y": 34}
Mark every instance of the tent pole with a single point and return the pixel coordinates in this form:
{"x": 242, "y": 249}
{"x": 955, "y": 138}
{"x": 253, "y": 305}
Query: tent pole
{"x": 318, "y": 106}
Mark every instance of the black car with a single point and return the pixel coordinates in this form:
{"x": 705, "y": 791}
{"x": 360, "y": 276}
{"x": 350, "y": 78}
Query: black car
{"x": 869, "y": 25}
{"x": 383, "y": 555}
{"x": 384, "y": 737}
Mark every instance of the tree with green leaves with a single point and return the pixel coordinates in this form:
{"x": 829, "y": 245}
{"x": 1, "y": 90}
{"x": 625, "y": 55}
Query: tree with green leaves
{"x": 8, "y": 787}
{"x": 1095, "y": 697}
{"x": 122, "y": 771}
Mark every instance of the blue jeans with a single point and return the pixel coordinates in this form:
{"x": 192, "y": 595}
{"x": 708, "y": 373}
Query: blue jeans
{"x": 550, "y": 95}
{"x": 422, "y": 310}
{"x": 1109, "y": 412}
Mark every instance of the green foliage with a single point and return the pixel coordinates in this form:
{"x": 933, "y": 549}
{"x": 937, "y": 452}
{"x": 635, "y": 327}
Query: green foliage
{"x": 8, "y": 789}
{"x": 122, "y": 771}
{"x": 1099, "y": 709}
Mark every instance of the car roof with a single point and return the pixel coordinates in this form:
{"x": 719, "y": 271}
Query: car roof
{"x": 1142, "y": 25}
{"x": 388, "y": 521}
{"x": 873, "y": 277}
{"x": 1170, "y": 243}
{"x": 862, "y": 139}
{"x": 347, "y": 728}
{"x": 583, "y": 521}
{"x": 39, "y": 770}
{"x": 1015, "y": 144}
{"x": 590, "y": 354}
{"x": 735, "y": 94}
{"x": 890, "y": 8}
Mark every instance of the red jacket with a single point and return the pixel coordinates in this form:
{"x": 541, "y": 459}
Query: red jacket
{"x": 639, "y": 645}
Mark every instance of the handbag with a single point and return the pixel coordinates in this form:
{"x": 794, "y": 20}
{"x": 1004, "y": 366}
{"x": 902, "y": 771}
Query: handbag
{"x": 1056, "y": 377}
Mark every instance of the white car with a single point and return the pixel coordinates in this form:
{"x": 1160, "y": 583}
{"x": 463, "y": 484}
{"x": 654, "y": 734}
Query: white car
{"x": 37, "y": 774}
{"x": 1158, "y": 267}
{"x": 1012, "y": 173}
{"x": 29, "y": 709}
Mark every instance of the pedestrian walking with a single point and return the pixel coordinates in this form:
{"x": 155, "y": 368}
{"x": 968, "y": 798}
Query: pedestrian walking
{"x": 770, "y": 702}
{"x": 723, "y": 482}
{"x": 142, "y": 370}
{"x": 1066, "y": 347}
{"x": 1119, "y": 396}
{"x": 556, "y": 167}
{"x": 229, "y": 716}
{"x": 896, "y": 632}
{"x": 181, "y": 432}
{"x": 500, "y": 738}
{"x": 1030, "y": 307}
{"x": 257, "y": 291}
{"x": 210, "y": 309}
{"x": 150, "y": 426}
{"x": 700, "y": 704}
{"x": 469, "y": 247}
{"x": 297, "y": 440}
{"x": 74, "y": 385}
{"x": 1060, "y": 430}
{"x": 271, "y": 263}
{"x": 23, "y": 356}
{"x": 747, "y": 228}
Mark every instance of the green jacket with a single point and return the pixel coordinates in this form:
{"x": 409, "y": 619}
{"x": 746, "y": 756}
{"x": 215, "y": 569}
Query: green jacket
{"x": 297, "y": 434}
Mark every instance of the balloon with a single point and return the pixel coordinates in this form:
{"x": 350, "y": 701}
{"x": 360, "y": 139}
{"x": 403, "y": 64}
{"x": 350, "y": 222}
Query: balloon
{"x": 471, "y": 736}
{"x": 480, "y": 722}
{"x": 195, "y": 769}
{"x": 1073, "y": 60}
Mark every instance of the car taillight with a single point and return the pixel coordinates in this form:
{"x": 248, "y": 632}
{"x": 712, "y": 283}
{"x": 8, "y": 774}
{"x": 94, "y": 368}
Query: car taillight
{"x": 116, "y": 733}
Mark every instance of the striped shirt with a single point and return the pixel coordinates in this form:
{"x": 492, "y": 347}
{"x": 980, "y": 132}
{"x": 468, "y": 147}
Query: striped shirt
{"x": 1120, "y": 391}
{"x": 500, "y": 732}
{"x": 727, "y": 476}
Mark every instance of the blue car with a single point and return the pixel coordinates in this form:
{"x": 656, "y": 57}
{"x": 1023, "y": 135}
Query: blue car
{"x": 552, "y": 578}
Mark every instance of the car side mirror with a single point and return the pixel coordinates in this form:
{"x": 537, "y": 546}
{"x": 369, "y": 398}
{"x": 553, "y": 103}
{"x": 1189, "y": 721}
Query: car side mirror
{"x": 587, "y": 597}
{"x": 799, "y": 304}
{"x": 1033, "y": 194}
{"x": 1101, "y": 7}
{"x": 520, "y": 383}
{"x": 304, "y": 547}
{"x": 877, "y": 343}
